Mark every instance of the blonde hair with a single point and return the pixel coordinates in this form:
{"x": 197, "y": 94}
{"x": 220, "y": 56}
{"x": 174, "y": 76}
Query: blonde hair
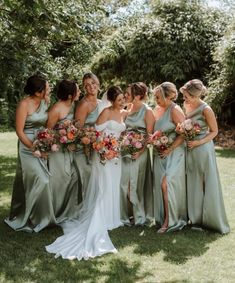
{"x": 195, "y": 88}
{"x": 167, "y": 90}
{"x": 92, "y": 76}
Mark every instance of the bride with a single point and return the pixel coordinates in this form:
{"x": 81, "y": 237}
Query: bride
{"x": 87, "y": 235}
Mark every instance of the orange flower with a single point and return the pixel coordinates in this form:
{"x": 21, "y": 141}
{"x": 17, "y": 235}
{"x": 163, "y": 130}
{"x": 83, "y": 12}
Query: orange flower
{"x": 70, "y": 136}
{"x": 85, "y": 140}
{"x": 114, "y": 142}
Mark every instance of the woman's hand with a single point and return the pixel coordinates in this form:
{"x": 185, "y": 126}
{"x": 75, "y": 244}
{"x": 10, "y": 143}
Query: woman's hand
{"x": 166, "y": 152}
{"x": 193, "y": 144}
{"x": 136, "y": 155}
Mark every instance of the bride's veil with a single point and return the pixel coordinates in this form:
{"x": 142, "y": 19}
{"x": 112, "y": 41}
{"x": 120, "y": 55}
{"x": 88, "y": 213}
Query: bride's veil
{"x": 104, "y": 103}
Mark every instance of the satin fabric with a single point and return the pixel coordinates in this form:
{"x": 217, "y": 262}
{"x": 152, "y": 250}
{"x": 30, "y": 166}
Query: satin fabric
{"x": 63, "y": 179}
{"x": 82, "y": 163}
{"x": 87, "y": 236}
{"x": 173, "y": 167}
{"x": 205, "y": 199}
{"x": 136, "y": 174}
{"x": 31, "y": 206}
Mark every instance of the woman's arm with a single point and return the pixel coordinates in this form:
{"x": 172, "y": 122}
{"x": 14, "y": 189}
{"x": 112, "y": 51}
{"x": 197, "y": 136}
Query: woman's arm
{"x": 177, "y": 116}
{"x": 53, "y": 117}
{"x": 103, "y": 117}
{"x": 149, "y": 120}
{"x": 212, "y": 125}
{"x": 81, "y": 112}
{"x": 21, "y": 115}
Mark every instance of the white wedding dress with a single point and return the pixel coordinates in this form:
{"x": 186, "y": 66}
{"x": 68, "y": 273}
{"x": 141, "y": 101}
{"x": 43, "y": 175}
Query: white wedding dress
{"x": 87, "y": 236}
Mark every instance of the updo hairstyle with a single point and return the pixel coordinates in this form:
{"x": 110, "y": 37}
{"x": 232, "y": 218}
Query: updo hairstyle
{"x": 113, "y": 92}
{"x": 195, "y": 88}
{"x": 66, "y": 88}
{"x": 34, "y": 84}
{"x": 167, "y": 90}
{"x": 138, "y": 88}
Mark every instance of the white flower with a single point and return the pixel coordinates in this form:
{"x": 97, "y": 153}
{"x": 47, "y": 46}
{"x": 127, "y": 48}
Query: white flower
{"x": 164, "y": 139}
{"x": 188, "y": 125}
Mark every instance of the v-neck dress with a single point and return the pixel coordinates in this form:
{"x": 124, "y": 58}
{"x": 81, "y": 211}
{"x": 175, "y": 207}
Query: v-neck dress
{"x": 205, "y": 199}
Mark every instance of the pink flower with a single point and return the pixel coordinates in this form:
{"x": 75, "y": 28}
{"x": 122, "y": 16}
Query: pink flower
{"x": 63, "y": 139}
{"x": 188, "y": 124}
{"x": 138, "y": 145}
{"x": 126, "y": 142}
{"x": 62, "y": 132}
{"x": 55, "y": 147}
{"x": 179, "y": 129}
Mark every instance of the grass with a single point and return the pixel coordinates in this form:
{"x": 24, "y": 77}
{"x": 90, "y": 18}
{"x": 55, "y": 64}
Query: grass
{"x": 144, "y": 256}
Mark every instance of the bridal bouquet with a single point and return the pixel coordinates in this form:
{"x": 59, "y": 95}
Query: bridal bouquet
{"x": 45, "y": 142}
{"x": 188, "y": 129}
{"x": 160, "y": 141}
{"x": 107, "y": 146}
{"x": 67, "y": 135}
{"x": 85, "y": 139}
{"x": 131, "y": 142}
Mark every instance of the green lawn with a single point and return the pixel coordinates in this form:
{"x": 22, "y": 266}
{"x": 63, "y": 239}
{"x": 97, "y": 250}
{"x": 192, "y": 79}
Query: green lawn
{"x": 144, "y": 255}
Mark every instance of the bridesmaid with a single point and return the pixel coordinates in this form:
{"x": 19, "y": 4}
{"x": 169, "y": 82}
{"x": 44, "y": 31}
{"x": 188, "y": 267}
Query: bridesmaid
{"x": 136, "y": 192}
{"x": 86, "y": 114}
{"x": 169, "y": 165}
{"x": 33, "y": 210}
{"x": 63, "y": 179}
{"x": 205, "y": 199}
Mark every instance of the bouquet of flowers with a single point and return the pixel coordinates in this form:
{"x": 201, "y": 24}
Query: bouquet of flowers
{"x": 107, "y": 147}
{"x": 45, "y": 142}
{"x": 67, "y": 135}
{"x": 85, "y": 138}
{"x": 160, "y": 141}
{"x": 131, "y": 142}
{"x": 188, "y": 129}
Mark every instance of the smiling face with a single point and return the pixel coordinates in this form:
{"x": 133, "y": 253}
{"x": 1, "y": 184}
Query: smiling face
{"x": 127, "y": 95}
{"x": 45, "y": 94}
{"x": 77, "y": 94}
{"x": 91, "y": 86}
{"x": 189, "y": 99}
{"x": 119, "y": 102}
{"x": 159, "y": 98}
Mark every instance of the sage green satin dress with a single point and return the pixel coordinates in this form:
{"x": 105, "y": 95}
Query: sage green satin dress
{"x": 82, "y": 163}
{"x": 136, "y": 174}
{"x": 31, "y": 207}
{"x": 64, "y": 180}
{"x": 205, "y": 199}
{"x": 173, "y": 167}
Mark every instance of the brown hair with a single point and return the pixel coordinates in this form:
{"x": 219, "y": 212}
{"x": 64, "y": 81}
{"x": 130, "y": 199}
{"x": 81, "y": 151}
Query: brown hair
{"x": 138, "y": 88}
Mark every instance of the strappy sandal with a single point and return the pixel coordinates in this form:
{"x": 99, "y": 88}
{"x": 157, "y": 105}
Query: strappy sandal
{"x": 162, "y": 230}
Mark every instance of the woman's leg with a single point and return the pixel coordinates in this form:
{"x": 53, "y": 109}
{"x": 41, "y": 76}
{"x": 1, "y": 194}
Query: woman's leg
{"x": 165, "y": 204}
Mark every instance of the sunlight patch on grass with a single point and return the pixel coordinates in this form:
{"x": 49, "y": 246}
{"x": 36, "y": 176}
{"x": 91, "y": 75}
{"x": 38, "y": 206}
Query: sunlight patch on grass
{"x": 8, "y": 144}
{"x": 188, "y": 256}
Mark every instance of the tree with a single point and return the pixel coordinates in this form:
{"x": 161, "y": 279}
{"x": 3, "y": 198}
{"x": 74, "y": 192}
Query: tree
{"x": 173, "y": 42}
{"x": 222, "y": 77}
{"x": 54, "y": 38}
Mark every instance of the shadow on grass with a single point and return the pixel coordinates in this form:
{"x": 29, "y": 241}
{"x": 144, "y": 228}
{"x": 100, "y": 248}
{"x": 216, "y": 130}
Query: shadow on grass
{"x": 178, "y": 247}
{"x": 227, "y": 153}
{"x": 7, "y": 173}
{"x": 24, "y": 259}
